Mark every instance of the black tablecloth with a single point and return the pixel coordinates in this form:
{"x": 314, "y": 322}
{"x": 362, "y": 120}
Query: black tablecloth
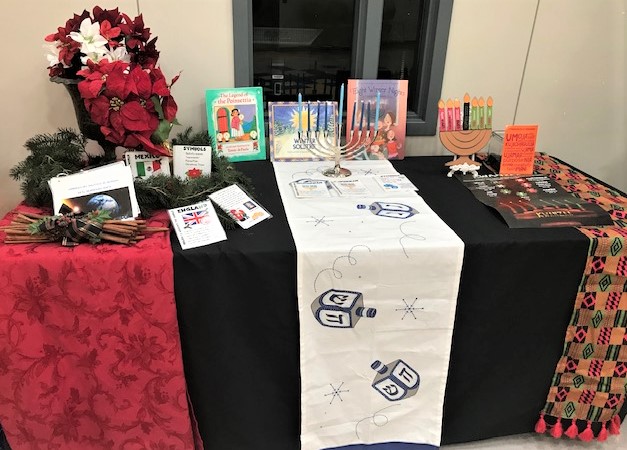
{"x": 238, "y": 318}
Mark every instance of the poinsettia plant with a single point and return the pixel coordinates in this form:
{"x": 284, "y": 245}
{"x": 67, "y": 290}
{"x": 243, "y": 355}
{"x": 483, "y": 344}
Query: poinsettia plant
{"x": 123, "y": 89}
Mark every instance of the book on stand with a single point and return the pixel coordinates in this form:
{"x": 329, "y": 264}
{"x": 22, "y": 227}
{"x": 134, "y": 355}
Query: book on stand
{"x": 235, "y": 122}
{"x": 389, "y": 142}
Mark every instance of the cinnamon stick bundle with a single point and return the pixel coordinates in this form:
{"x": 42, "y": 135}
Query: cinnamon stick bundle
{"x": 117, "y": 231}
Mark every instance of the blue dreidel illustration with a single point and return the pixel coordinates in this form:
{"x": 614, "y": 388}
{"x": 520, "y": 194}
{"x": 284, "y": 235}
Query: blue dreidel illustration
{"x": 386, "y": 209}
{"x": 396, "y": 380}
{"x": 340, "y": 309}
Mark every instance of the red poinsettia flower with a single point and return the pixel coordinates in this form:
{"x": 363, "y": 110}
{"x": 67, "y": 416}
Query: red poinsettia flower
{"x": 112, "y": 16}
{"x": 109, "y": 33}
{"x": 136, "y": 34}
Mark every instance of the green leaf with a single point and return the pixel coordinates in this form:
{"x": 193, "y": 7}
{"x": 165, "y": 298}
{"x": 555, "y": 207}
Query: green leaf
{"x": 158, "y": 108}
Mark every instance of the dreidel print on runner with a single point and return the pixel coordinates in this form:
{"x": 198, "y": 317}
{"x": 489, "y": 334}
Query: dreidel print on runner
{"x": 340, "y": 309}
{"x": 396, "y": 380}
{"x": 394, "y": 210}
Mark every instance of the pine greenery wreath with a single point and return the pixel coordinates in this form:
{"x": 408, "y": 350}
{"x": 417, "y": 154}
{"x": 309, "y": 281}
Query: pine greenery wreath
{"x": 64, "y": 152}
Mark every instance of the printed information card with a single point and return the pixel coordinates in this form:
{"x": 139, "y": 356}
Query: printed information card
{"x": 519, "y": 147}
{"x": 240, "y": 206}
{"x": 196, "y": 225}
{"x": 395, "y": 183}
{"x": 191, "y": 161}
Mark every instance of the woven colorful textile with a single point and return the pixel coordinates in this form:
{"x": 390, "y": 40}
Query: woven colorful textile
{"x": 590, "y": 381}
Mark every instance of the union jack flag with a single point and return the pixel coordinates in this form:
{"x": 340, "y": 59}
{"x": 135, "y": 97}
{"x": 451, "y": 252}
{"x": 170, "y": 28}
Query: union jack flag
{"x": 196, "y": 217}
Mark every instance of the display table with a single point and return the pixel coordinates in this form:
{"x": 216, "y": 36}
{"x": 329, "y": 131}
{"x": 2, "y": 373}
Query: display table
{"x": 238, "y": 319}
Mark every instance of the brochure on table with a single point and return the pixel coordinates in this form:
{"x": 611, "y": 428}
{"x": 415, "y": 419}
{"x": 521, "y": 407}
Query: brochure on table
{"x": 108, "y": 188}
{"x": 245, "y": 210}
{"x": 534, "y": 202}
{"x": 196, "y": 225}
{"x": 368, "y": 178}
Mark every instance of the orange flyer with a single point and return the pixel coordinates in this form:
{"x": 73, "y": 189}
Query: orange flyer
{"x": 519, "y": 147}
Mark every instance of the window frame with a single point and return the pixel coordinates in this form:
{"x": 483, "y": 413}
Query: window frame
{"x": 422, "y": 115}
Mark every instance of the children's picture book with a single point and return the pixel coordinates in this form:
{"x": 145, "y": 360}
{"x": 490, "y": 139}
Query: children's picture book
{"x": 144, "y": 164}
{"x": 235, "y": 122}
{"x": 284, "y": 118}
{"x": 389, "y": 142}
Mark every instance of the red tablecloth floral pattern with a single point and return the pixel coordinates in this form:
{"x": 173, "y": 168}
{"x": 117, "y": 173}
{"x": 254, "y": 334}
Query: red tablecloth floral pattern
{"x": 90, "y": 354}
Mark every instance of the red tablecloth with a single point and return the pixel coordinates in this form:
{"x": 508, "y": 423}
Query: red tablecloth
{"x": 90, "y": 355}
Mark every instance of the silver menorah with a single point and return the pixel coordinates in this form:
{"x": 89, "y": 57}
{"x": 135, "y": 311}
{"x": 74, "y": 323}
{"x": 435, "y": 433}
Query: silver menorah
{"x": 328, "y": 145}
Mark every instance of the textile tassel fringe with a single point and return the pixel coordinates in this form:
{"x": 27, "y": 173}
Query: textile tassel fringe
{"x": 541, "y": 425}
{"x": 557, "y": 429}
{"x": 572, "y": 430}
{"x": 602, "y": 434}
{"x": 614, "y": 427}
{"x": 587, "y": 435}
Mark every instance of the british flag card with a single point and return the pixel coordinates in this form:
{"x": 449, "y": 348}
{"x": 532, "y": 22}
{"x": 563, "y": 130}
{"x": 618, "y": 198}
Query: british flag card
{"x": 196, "y": 225}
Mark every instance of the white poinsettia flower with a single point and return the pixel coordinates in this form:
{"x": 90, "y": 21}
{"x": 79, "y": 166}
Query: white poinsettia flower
{"x": 89, "y": 37}
{"x": 93, "y": 57}
{"x": 52, "y": 54}
{"x": 119, "y": 54}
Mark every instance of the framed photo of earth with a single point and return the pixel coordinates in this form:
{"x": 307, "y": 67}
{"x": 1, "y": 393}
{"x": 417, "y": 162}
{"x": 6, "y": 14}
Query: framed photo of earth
{"x": 108, "y": 188}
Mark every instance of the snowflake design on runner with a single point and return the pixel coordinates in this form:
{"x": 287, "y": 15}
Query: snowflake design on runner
{"x": 336, "y": 391}
{"x": 320, "y": 221}
{"x": 409, "y": 309}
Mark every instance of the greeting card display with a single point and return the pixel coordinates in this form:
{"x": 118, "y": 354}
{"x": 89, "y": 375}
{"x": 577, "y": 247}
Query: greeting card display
{"x": 389, "y": 142}
{"x": 235, "y": 122}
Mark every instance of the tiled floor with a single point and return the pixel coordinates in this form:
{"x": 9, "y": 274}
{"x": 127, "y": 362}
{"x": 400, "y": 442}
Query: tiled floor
{"x": 533, "y": 441}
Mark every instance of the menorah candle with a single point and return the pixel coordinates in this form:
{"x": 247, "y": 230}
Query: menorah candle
{"x": 466, "y": 124}
{"x": 341, "y": 106}
{"x": 488, "y": 114}
{"x": 458, "y": 116}
{"x": 353, "y": 119}
{"x": 481, "y": 113}
{"x": 368, "y": 118}
{"x": 308, "y": 115}
{"x": 449, "y": 115}
{"x": 441, "y": 115}
{"x": 474, "y": 113}
{"x": 361, "y": 117}
{"x": 300, "y": 112}
{"x": 318, "y": 117}
{"x": 326, "y": 107}
{"x": 376, "y": 111}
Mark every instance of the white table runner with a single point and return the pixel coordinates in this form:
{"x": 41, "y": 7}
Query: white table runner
{"x": 377, "y": 287}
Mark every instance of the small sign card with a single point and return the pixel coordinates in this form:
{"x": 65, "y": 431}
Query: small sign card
{"x": 240, "y": 206}
{"x": 196, "y": 225}
{"x": 351, "y": 188}
{"x": 395, "y": 183}
{"x": 191, "y": 161}
{"x": 519, "y": 147}
{"x": 106, "y": 188}
{"x": 144, "y": 164}
{"x": 309, "y": 188}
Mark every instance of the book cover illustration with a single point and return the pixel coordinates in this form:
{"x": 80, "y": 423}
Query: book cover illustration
{"x": 235, "y": 122}
{"x": 389, "y": 142}
{"x": 283, "y": 129}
